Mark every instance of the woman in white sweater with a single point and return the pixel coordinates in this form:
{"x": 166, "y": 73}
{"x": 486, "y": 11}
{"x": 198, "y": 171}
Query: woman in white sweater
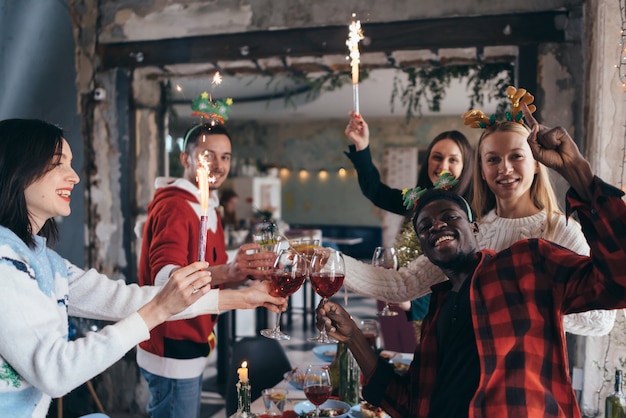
{"x": 39, "y": 289}
{"x": 512, "y": 197}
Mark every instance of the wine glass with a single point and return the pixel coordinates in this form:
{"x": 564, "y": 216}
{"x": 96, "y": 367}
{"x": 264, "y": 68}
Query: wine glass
{"x": 386, "y": 257}
{"x": 327, "y": 274}
{"x": 317, "y": 385}
{"x": 287, "y": 276}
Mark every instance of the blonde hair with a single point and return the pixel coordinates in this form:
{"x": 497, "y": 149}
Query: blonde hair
{"x": 541, "y": 191}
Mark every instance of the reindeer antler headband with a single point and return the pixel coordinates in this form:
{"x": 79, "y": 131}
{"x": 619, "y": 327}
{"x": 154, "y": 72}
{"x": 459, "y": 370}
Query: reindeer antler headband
{"x": 477, "y": 119}
{"x": 410, "y": 197}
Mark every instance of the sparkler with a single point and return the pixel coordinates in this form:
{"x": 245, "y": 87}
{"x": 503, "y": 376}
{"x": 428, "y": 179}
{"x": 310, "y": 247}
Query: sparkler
{"x": 355, "y": 34}
{"x": 204, "y": 178}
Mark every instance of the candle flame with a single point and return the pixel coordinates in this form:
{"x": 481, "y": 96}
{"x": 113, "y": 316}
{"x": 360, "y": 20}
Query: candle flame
{"x": 244, "y": 364}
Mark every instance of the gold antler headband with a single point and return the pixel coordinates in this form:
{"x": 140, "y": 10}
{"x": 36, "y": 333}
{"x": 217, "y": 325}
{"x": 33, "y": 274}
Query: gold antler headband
{"x": 477, "y": 119}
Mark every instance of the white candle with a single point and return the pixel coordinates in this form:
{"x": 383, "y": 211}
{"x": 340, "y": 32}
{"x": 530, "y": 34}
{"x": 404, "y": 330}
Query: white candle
{"x": 243, "y": 372}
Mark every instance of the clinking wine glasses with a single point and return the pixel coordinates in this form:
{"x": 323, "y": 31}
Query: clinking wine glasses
{"x": 288, "y": 274}
{"x": 386, "y": 257}
{"x": 326, "y": 276}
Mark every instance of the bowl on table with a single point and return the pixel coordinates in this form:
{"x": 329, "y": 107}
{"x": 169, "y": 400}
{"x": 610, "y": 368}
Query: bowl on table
{"x": 325, "y": 352}
{"x": 295, "y": 377}
{"x": 330, "y": 408}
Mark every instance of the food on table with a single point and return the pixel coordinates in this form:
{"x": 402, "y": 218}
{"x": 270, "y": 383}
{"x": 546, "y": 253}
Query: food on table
{"x": 370, "y": 411}
{"x": 296, "y": 378}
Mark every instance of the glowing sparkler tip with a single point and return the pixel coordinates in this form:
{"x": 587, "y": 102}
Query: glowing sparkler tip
{"x": 179, "y": 88}
{"x": 217, "y": 79}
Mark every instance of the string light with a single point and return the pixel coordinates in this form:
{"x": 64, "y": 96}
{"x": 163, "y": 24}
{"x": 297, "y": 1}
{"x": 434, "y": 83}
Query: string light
{"x": 303, "y": 175}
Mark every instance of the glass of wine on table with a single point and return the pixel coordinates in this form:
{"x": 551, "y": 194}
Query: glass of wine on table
{"x": 326, "y": 276}
{"x": 317, "y": 385}
{"x": 288, "y": 274}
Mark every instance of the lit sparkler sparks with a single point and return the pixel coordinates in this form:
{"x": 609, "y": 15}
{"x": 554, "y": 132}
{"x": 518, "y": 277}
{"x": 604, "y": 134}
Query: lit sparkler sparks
{"x": 355, "y": 35}
{"x": 204, "y": 177}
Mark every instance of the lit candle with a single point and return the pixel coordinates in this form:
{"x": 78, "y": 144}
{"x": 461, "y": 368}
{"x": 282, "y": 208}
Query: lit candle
{"x": 243, "y": 372}
{"x": 355, "y": 34}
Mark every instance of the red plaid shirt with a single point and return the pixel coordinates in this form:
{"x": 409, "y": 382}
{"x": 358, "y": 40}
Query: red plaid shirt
{"x": 517, "y": 297}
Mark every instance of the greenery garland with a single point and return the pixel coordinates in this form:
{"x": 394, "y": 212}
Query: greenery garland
{"x": 430, "y": 84}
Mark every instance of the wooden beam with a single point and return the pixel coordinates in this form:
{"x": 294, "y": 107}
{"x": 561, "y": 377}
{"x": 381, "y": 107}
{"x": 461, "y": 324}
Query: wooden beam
{"x": 456, "y": 32}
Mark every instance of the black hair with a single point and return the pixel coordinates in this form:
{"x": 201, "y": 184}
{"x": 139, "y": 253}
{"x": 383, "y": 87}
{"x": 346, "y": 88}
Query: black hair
{"x": 193, "y": 133}
{"x": 28, "y": 148}
{"x": 441, "y": 194}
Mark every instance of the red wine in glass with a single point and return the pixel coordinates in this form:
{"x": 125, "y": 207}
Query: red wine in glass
{"x": 317, "y": 395}
{"x": 327, "y": 273}
{"x": 286, "y": 284}
{"x": 287, "y": 276}
{"x": 317, "y": 385}
{"x": 326, "y": 284}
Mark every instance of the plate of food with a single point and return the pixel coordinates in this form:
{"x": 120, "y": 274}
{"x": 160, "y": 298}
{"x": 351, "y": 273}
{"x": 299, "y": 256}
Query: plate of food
{"x": 400, "y": 365}
{"x": 367, "y": 410}
{"x": 295, "y": 377}
{"x": 330, "y": 408}
{"x": 325, "y": 352}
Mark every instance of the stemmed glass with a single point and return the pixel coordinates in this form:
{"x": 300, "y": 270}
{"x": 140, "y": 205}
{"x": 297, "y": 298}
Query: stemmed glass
{"x": 317, "y": 385}
{"x": 287, "y": 276}
{"x": 327, "y": 274}
{"x": 386, "y": 257}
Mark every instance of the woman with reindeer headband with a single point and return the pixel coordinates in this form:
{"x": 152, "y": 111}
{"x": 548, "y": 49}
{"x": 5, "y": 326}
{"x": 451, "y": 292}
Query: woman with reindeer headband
{"x": 513, "y": 199}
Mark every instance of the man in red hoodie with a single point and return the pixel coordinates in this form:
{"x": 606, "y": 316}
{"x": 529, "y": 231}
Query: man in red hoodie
{"x": 173, "y": 360}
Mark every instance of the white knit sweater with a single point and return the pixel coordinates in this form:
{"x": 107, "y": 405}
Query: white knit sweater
{"x": 496, "y": 233}
{"x": 39, "y": 289}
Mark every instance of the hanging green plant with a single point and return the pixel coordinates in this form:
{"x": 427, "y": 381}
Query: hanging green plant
{"x": 428, "y": 85}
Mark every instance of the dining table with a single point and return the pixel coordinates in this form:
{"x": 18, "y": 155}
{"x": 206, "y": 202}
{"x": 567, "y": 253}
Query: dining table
{"x": 295, "y": 396}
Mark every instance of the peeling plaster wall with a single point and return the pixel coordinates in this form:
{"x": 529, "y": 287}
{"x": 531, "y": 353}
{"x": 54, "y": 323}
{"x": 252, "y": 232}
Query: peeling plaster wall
{"x": 605, "y": 114}
{"x": 140, "y": 19}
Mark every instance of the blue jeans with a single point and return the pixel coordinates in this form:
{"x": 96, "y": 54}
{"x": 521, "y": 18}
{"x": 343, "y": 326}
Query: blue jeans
{"x": 173, "y": 398}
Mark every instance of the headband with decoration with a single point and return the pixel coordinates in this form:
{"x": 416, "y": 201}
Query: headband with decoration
{"x": 477, "y": 119}
{"x": 410, "y": 197}
{"x": 210, "y": 113}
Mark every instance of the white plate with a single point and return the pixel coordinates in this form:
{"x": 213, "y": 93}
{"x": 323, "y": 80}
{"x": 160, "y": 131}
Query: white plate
{"x": 325, "y": 352}
{"x": 303, "y": 407}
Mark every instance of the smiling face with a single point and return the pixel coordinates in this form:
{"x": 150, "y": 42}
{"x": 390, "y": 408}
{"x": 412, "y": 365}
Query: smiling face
{"x": 445, "y": 156}
{"x": 50, "y": 195}
{"x": 508, "y": 167}
{"x": 446, "y": 235}
{"x": 215, "y": 146}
